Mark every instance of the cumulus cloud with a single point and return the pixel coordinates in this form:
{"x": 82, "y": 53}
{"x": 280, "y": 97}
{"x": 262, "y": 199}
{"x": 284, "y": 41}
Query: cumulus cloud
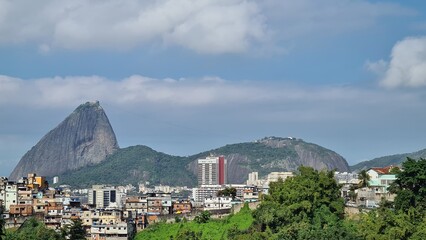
{"x": 407, "y": 66}
{"x": 203, "y": 26}
{"x": 208, "y": 27}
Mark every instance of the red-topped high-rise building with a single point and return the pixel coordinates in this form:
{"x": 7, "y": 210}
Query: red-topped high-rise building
{"x": 212, "y": 171}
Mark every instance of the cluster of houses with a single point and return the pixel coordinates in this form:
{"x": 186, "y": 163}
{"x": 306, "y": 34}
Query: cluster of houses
{"x": 376, "y": 189}
{"x": 107, "y": 211}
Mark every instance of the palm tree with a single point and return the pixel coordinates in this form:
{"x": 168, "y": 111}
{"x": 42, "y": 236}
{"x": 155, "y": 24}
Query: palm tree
{"x": 363, "y": 178}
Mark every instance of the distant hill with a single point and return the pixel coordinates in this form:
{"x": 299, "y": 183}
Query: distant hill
{"x": 395, "y": 160}
{"x": 85, "y": 137}
{"x": 132, "y": 165}
{"x": 273, "y": 154}
{"x": 140, "y": 163}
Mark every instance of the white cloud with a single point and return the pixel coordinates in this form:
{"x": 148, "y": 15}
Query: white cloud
{"x": 203, "y": 26}
{"x": 378, "y": 67}
{"x": 186, "y": 116}
{"x": 407, "y": 67}
{"x": 138, "y": 90}
{"x": 208, "y": 27}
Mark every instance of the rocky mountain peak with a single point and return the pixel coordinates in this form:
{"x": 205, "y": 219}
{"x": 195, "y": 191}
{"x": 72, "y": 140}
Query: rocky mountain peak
{"x": 278, "y": 142}
{"x": 85, "y": 137}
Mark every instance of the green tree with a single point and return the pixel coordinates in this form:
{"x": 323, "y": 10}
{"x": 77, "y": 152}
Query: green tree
{"x": 228, "y": 192}
{"x": 77, "y": 231}
{"x": 385, "y": 223}
{"x": 410, "y": 186}
{"x": 203, "y": 217}
{"x": 33, "y": 229}
{"x": 395, "y": 170}
{"x": 299, "y": 203}
{"x": 352, "y": 194}
{"x": 363, "y": 178}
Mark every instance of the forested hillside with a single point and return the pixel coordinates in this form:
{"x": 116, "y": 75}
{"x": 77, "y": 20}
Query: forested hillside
{"x": 141, "y": 164}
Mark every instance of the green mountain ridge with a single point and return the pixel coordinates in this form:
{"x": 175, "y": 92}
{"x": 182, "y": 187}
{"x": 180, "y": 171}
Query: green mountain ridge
{"x": 140, "y": 164}
{"x": 396, "y": 160}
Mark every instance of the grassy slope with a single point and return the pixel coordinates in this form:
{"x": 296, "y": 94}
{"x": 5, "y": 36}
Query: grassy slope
{"x": 214, "y": 229}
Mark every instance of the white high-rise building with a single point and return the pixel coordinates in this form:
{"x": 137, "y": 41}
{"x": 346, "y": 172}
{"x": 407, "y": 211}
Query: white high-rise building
{"x": 8, "y": 193}
{"x": 253, "y": 179}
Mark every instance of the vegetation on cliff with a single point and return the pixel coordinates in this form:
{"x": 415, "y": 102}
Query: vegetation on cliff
{"x": 141, "y": 164}
{"x": 133, "y": 165}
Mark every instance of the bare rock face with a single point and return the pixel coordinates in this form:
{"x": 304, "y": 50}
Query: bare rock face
{"x": 85, "y": 137}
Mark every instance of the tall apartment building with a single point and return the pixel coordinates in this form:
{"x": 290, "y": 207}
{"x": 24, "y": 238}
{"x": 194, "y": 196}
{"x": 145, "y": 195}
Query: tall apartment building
{"x": 102, "y": 196}
{"x": 8, "y": 193}
{"x": 212, "y": 171}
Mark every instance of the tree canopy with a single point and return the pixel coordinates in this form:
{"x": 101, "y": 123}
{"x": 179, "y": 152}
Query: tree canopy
{"x": 302, "y": 206}
{"x": 363, "y": 178}
{"x": 77, "y": 231}
{"x": 227, "y": 192}
{"x": 33, "y": 229}
{"x": 410, "y": 185}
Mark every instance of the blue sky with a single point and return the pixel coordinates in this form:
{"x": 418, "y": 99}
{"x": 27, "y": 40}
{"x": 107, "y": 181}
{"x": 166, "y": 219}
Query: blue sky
{"x": 189, "y": 76}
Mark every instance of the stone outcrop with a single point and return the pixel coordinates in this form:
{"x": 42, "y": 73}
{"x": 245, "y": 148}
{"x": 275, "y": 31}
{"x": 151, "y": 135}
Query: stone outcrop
{"x": 85, "y": 137}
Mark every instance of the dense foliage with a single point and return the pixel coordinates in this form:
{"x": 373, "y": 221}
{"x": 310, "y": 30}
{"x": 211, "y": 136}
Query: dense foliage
{"x": 211, "y": 229}
{"x": 406, "y": 217}
{"x": 36, "y": 230}
{"x": 32, "y": 229}
{"x": 76, "y": 231}
{"x": 133, "y": 165}
{"x": 203, "y": 217}
{"x": 227, "y": 192}
{"x": 410, "y": 186}
{"x": 306, "y": 206}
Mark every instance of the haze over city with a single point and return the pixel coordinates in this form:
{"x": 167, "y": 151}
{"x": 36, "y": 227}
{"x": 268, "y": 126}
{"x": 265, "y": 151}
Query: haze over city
{"x": 184, "y": 77}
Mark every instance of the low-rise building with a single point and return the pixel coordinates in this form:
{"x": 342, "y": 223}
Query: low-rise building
{"x": 204, "y": 191}
{"x": 182, "y": 207}
{"x": 21, "y": 210}
{"x": 217, "y": 203}
{"x": 136, "y": 204}
{"x": 159, "y": 203}
{"x": 113, "y": 231}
